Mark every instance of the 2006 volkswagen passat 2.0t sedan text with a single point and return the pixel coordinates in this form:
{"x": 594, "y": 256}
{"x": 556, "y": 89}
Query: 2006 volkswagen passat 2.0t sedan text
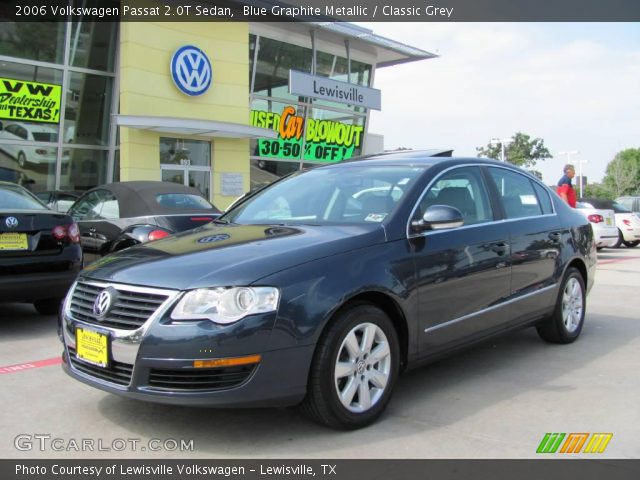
{"x": 321, "y": 288}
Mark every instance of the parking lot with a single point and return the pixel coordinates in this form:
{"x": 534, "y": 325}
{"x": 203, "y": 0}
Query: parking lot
{"x": 496, "y": 400}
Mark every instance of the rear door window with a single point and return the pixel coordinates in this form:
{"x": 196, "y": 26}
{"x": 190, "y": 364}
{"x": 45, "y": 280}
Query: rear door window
{"x": 517, "y": 193}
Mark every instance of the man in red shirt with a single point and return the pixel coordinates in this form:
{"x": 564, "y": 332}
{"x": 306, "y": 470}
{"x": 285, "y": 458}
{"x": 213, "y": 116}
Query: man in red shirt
{"x": 565, "y": 189}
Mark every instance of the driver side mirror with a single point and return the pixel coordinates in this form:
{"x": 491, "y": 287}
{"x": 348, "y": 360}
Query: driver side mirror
{"x": 438, "y": 217}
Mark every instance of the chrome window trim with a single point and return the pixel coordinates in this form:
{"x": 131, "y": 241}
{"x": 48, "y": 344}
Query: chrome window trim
{"x": 489, "y": 309}
{"x": 411, "y": 235}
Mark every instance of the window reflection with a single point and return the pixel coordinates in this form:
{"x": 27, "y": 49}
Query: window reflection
{"x": 87, "y": 110}
{"x": 43, "y": 41}
{"x": 87, "y": 169}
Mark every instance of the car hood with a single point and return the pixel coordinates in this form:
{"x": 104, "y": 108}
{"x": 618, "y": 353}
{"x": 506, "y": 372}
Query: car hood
{"x": 215, "y": 255}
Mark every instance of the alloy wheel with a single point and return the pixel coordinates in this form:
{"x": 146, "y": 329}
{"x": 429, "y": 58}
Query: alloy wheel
{"x": 362, "y": 367}
{"x": 572, "y": 305}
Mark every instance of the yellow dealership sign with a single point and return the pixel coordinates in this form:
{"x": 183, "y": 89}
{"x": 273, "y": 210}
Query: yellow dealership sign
{"x": 29, "y": 101}
{"x": 326, "y": 141}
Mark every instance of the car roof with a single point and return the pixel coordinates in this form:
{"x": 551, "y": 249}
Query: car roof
{"x": 138, "y": 198}
{"x": 11, "y": 185}
{"x": 433, "y": 152}
{"x": 420, "y": 158}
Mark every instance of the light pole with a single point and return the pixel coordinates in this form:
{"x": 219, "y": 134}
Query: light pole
{"x": 580, "y": 162}
{"x": 502, "y": 142}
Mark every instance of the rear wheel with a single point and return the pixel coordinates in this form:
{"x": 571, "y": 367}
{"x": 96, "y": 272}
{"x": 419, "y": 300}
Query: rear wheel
{"x": 632, "y": 244}
{"x": 49, "y": 306}
{"x": 354, "y": 369}
{"x": 619, "y": 241}
{"x": 565, "y": 323}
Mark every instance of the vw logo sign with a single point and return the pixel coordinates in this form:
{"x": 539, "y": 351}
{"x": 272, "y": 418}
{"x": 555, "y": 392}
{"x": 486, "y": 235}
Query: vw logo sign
{"x": 191, "y": 70}
{"x": 102, "y": 303}
{"x": 11, "y": 222}
{"x": 214, "y": 238}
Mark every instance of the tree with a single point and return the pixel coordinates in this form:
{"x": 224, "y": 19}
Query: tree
{"x": 623, "y": 173}
{"x": 522, "y": 151}
{"x": 597, "y": 190}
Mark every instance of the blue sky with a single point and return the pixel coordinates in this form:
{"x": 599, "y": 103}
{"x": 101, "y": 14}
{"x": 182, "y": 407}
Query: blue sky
{"x": 575, "y": 85}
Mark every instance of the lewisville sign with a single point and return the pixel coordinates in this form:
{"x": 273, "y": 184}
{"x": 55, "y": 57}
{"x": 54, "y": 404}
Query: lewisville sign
{"x": 334, "y": 91}
{"x": 326, "y": 141}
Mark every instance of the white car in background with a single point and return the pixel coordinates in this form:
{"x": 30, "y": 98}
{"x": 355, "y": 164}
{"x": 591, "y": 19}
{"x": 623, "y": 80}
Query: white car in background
{"x": 30, "y": 154}
{"x": 603, "y": 223}
{"x": 627, "y": 223}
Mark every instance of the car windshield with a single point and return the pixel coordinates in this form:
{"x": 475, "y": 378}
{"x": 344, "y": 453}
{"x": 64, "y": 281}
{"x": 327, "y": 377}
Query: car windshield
{"x": 16, "y": 199}
{"x": 183, "y": 201}
{"x": 45, "y": 136}
{"x": 618, "y": 208}
{"x": 354, "y": 194}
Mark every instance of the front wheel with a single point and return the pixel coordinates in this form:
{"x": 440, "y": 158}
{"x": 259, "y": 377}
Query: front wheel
{"x": 354, "y": 369}
{"x": 565, "y": 323}
{"x": 633, "y": 244}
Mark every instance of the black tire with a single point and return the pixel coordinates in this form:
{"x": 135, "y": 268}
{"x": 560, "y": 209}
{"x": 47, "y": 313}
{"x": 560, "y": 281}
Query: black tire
{"x": 619, "y": 241}
{"x": 49, "y": 306}
{"x": 631, "y": 244}
{"x": 554, "y": 329}
{"x": 322, "y": 402}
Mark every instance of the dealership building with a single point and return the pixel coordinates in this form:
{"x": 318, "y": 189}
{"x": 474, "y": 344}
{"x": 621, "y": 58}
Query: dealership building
{"x": 220, "y": 106}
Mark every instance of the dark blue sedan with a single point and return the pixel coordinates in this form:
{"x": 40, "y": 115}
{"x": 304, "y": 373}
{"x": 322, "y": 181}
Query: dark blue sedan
{"x": 320, "y": 289}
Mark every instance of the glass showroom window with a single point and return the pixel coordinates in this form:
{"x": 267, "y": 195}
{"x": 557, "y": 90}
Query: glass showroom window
{"x": 275, "y": 59}
{"x": 86, "y": 120}
{"x": 93, "y": 45}
{"x": 83, "y": 169}
{"x": 28, "y": 137}
{"x": 41, "y": 41}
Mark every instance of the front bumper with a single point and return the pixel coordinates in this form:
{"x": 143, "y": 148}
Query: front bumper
{"x": 155, "y": 362}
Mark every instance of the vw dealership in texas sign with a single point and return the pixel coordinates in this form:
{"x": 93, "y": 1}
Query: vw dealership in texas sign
{"x": 333, "y": 90}
{"x": 191, "y": 70}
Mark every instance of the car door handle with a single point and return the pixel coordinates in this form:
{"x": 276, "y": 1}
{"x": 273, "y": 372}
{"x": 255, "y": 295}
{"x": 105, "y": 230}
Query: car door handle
{"x": 555, "y": 236}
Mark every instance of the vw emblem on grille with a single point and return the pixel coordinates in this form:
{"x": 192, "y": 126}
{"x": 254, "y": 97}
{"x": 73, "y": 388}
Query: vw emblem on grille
{"x": 191, "y": 70}
{"x": 102, "y": 303}
{"x": 11, "y": 222}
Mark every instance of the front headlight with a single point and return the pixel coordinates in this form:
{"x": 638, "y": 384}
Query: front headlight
{"x": 226, "y": 305}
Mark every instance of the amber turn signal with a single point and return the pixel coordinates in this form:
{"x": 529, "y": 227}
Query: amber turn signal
{"x": 227, "y": 362}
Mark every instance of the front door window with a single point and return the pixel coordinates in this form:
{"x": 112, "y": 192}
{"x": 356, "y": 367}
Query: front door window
{"x": 187, "y": 162}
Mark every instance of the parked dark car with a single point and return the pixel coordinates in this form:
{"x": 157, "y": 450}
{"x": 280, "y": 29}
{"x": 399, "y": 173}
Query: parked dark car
{"x": 58, "y": 200}
{"x": 40, "y": 253}
{"x": 118, "y": 215}
{"x": 321, "y": 288}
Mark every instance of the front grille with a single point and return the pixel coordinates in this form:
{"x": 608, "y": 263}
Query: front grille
{"x": 130, "y": 310}
{"x": 199, "y": 379}
{"x": 116, "y": 372}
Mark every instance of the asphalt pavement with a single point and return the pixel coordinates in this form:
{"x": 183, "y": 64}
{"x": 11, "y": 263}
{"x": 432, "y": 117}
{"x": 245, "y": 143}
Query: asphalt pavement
{"x": 496, "y": 400}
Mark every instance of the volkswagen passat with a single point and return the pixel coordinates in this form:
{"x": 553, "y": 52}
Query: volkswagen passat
{"x": 323, "y": 287}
